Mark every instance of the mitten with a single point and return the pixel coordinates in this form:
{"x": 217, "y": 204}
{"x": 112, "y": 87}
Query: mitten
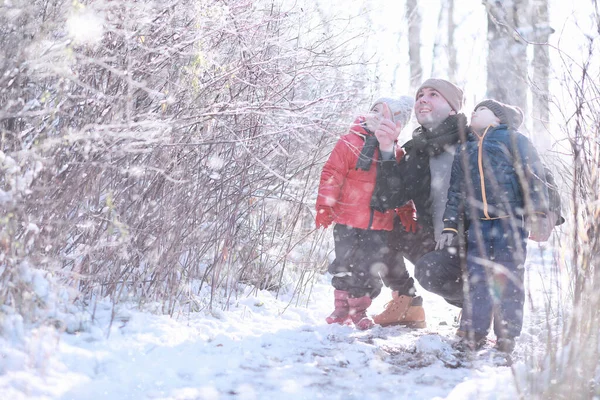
{"x": 540, "y": 227}
{"x": 408, "y": 217}
{"x": 324, "y": 217}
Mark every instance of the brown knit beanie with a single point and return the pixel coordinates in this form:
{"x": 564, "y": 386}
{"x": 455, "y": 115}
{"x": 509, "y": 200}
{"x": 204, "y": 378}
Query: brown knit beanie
{"x": 401, "y": 108}
{"x": 507, "y": 114}
{"x": 452, "y": 93}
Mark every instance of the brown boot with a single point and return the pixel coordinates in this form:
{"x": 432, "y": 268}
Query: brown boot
{"x": 403, "y": 310}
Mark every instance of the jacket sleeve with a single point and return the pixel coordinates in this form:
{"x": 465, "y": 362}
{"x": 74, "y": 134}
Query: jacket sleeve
{"x": 456, "y": 194}
{"x": 334, "y": 174}
{"x": 532, "y": 176}
{"x": 389, "y": 190}
{"x": 554, "y": 200}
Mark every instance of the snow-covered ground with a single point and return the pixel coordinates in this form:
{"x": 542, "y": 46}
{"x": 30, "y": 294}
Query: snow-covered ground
{"x": 261, "y": 348}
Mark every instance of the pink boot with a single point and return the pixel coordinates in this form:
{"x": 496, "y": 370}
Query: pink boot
{"x": 358, "y": 312}
{"x": 340, "y": 314}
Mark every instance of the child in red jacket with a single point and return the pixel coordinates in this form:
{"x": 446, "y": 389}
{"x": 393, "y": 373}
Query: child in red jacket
{"x": 362, "y": 254}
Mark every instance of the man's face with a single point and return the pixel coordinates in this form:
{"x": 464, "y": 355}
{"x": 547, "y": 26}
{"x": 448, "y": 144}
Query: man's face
{"x": 431, "y": 108}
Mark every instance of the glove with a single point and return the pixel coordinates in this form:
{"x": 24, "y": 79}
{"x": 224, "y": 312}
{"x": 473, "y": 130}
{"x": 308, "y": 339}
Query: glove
{"x": 408, "y": 217}
{"x": 324, "y": 217}
{"x": 540, "y": 228}
{"x": 444, "y": 240}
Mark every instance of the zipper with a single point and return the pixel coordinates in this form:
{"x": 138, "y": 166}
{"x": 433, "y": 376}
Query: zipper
{"x": 481, "y": 175}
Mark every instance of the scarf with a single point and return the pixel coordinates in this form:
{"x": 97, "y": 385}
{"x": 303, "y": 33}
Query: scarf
{"x": 415, "y": 164}
{"x": 432, "y": 143}
{"x": 365, "y": 158}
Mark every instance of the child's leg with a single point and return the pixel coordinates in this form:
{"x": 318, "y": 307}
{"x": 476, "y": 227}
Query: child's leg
{"x": 477, "y": 310}
{"x": 403, "y": 245}
{"x": 360, "y": 260}
{"x": 509, "y": 252}
{"x": 371, "y": 257}
{"x": 508, "y": 315}
{"x": 360, "y": 257}
{"x": 342, "y": 268}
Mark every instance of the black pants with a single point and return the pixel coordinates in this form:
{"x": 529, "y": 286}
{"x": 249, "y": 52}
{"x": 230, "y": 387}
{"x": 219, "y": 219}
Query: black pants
{"x": 440, "y": 272}
{"x": 362, "y": 257}
{"x": 411, "y": 246}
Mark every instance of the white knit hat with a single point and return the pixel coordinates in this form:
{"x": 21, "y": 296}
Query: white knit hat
{"x": 401, "y": 108}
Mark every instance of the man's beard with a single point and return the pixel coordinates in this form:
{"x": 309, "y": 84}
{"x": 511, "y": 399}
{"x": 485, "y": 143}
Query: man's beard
{"x": 430, "y": 120}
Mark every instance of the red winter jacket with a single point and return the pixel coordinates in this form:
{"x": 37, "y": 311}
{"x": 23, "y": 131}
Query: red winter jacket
{"x": 348, "y": 190}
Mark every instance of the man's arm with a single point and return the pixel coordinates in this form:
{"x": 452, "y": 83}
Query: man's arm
{"x": 389, "y": 190}
{"x": 456, "y": 195}
{"x": 453, "y": 212}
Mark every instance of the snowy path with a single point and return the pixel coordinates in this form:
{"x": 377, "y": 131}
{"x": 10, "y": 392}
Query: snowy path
{"x": 252, "y": 351}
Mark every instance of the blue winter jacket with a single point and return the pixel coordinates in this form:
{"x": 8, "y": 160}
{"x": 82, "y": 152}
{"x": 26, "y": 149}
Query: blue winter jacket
{"x": 504, "y": 177}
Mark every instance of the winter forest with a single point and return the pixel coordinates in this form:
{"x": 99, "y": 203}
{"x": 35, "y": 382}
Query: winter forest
{"x": 160, "y": 162}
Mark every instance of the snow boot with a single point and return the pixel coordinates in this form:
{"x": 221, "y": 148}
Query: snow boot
{"x": 470, "y": 342}
{"x": 358, "y": 312}
{"x": 403, "y": 310}
{"x": 340, "y": 313}
{"x": 505, "y": 345}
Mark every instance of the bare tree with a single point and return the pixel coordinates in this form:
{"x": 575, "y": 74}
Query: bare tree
{"x": 413, "y": 19}
{"x": 541, "y": 66}
{"x": 507, "y": 54}
{"x": 451, "y": 49}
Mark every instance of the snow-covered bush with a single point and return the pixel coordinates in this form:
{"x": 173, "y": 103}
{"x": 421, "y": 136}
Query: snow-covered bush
{"x": 147, "y": 145}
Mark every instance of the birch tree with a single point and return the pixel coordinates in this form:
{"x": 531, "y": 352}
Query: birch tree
{"x": 451, "y": 49}
{"x": 541, "y": 66}
{"x": 507, "y": 53}
{"x": 413, "y": 19}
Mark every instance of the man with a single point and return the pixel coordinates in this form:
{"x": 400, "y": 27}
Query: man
{"x": 423, "y": 176}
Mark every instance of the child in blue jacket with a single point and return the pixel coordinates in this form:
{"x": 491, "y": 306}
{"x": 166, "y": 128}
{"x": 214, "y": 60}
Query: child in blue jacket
{"x": 497, "y": 194}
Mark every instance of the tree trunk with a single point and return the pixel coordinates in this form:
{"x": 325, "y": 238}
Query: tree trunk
{"x": 507, "y": 54}
{"x": 414, "y": 43}
{"x": 541, "y": 67}
{"x": 451, "y": 49}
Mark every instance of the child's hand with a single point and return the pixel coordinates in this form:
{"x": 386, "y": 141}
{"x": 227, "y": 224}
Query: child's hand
{"x": 408, "y": 217}
{"x": 324, "y": 217}
{"x": 388, "y": 131}
{"x": 540, "y": 228}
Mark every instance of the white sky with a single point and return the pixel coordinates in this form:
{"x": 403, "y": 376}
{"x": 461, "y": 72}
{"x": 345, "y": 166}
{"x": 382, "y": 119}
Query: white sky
{"x": 570, "y": 20}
